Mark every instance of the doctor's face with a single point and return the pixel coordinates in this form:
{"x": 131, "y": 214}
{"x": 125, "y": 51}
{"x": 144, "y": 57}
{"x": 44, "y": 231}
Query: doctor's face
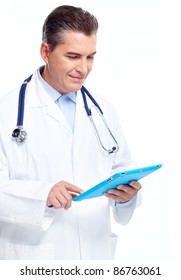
{"x": 69, "y": 63}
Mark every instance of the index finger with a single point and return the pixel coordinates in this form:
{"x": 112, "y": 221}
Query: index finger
{"x": 73, "y": 188}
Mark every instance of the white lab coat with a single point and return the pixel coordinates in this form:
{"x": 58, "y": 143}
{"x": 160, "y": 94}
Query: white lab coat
{"x": 51, "y": 153}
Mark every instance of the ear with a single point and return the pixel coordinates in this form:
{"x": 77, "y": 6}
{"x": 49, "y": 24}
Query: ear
{"x": 45, "y": 51}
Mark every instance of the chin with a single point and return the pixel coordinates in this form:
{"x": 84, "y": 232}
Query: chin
{"x": 75, "y": 88}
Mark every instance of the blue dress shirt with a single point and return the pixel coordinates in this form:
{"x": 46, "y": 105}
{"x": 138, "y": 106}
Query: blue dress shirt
{"x": 66, "y": 102}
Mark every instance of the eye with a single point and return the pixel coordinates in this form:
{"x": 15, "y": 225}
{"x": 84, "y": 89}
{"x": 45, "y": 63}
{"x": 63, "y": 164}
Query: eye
{"x": 73, "y": 56}
{"x": 91, "y": 57}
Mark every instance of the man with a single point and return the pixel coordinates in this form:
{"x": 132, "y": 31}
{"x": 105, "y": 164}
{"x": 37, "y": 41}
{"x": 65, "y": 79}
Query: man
{"x": 61, "y": 156}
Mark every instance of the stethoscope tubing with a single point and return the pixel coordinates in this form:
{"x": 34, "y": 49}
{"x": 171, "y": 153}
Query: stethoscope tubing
{"x": 20, "y": 135}
{"x": 21, "y": 102}
{"x": 88, "y": 111}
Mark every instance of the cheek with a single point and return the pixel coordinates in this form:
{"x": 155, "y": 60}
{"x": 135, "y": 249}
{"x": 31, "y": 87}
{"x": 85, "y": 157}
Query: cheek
{"x": 66, "y": 66}
{"x": 58, "y": 68}
{"x": 90, "y": 65}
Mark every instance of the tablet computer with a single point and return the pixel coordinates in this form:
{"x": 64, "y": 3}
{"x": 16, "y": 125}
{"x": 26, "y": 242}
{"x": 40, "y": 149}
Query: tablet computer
{"x": 120, "y": 178}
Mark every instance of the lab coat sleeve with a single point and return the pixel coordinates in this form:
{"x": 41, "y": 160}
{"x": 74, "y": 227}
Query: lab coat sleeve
{"x": 123, "y": 211}
{"x": 23, "y": 202}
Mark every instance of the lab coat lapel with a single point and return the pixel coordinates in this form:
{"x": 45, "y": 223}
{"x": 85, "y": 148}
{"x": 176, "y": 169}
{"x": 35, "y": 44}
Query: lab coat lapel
{"x": 54, "y": 112}
{"x": 38, "y": 98}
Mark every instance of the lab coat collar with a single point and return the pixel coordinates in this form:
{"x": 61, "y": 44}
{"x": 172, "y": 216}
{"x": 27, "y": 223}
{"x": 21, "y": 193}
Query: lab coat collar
{"x": 37, "y": 98}
{"x": 40, "y": 98}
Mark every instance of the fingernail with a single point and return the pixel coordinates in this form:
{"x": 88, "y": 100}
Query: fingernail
{"x": 120, "y": 187}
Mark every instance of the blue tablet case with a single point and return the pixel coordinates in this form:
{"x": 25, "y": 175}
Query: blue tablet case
{"x": 120, "y": 178}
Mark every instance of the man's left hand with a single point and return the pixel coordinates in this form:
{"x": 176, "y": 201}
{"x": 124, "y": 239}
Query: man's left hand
{"x": 124, "y": 193}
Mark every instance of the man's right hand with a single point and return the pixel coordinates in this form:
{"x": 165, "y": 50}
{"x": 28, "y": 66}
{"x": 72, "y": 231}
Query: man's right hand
{"x": 61, "y": 195}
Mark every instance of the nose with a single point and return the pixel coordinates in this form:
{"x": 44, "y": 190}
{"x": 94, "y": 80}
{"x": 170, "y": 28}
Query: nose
{"x": 82, "y": 67}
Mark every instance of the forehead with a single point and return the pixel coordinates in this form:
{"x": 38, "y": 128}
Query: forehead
{"x": 78, "y": 42}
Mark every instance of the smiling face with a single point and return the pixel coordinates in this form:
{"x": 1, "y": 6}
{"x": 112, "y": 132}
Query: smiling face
{"x": 68, "y": 64}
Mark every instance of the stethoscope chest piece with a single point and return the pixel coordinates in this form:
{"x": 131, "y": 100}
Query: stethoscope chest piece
{"x": 19, "y": 135}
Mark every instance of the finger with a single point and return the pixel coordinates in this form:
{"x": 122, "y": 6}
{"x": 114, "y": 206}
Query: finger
{"x": 68, "y": 205}
{"x": 64, "y": 199}
{"x": 74, "y": 195}
{"x": 135, "y": 185}
{"x": 126, "y": 189}
{"x": 55, "y": 203}
{"x": 121, "y": 194}
{"x": 61, "y": 195}
{"x": 123, "y": 197}
{"x": 57, "y": 199}
{"x": 64, "y": 194}
{"x": 115, "y": 192}
{"x": 73, "y": 188}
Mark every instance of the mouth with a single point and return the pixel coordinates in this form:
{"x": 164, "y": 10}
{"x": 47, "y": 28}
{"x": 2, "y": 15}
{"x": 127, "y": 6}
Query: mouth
{"x": 77, "y": 78}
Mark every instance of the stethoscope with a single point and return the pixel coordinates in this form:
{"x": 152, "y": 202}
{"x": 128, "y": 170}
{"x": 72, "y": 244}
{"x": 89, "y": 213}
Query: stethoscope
{"x": 19, "y": 134}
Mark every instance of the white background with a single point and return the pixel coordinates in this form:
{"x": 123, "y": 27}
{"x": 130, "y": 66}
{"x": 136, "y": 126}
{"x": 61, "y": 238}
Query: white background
{"x": 137, "y": 67}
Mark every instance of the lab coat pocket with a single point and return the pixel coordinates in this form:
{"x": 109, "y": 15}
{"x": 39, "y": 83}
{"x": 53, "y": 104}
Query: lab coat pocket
{"x": 11, "y": 251}
{"x": 112, "y": 244}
